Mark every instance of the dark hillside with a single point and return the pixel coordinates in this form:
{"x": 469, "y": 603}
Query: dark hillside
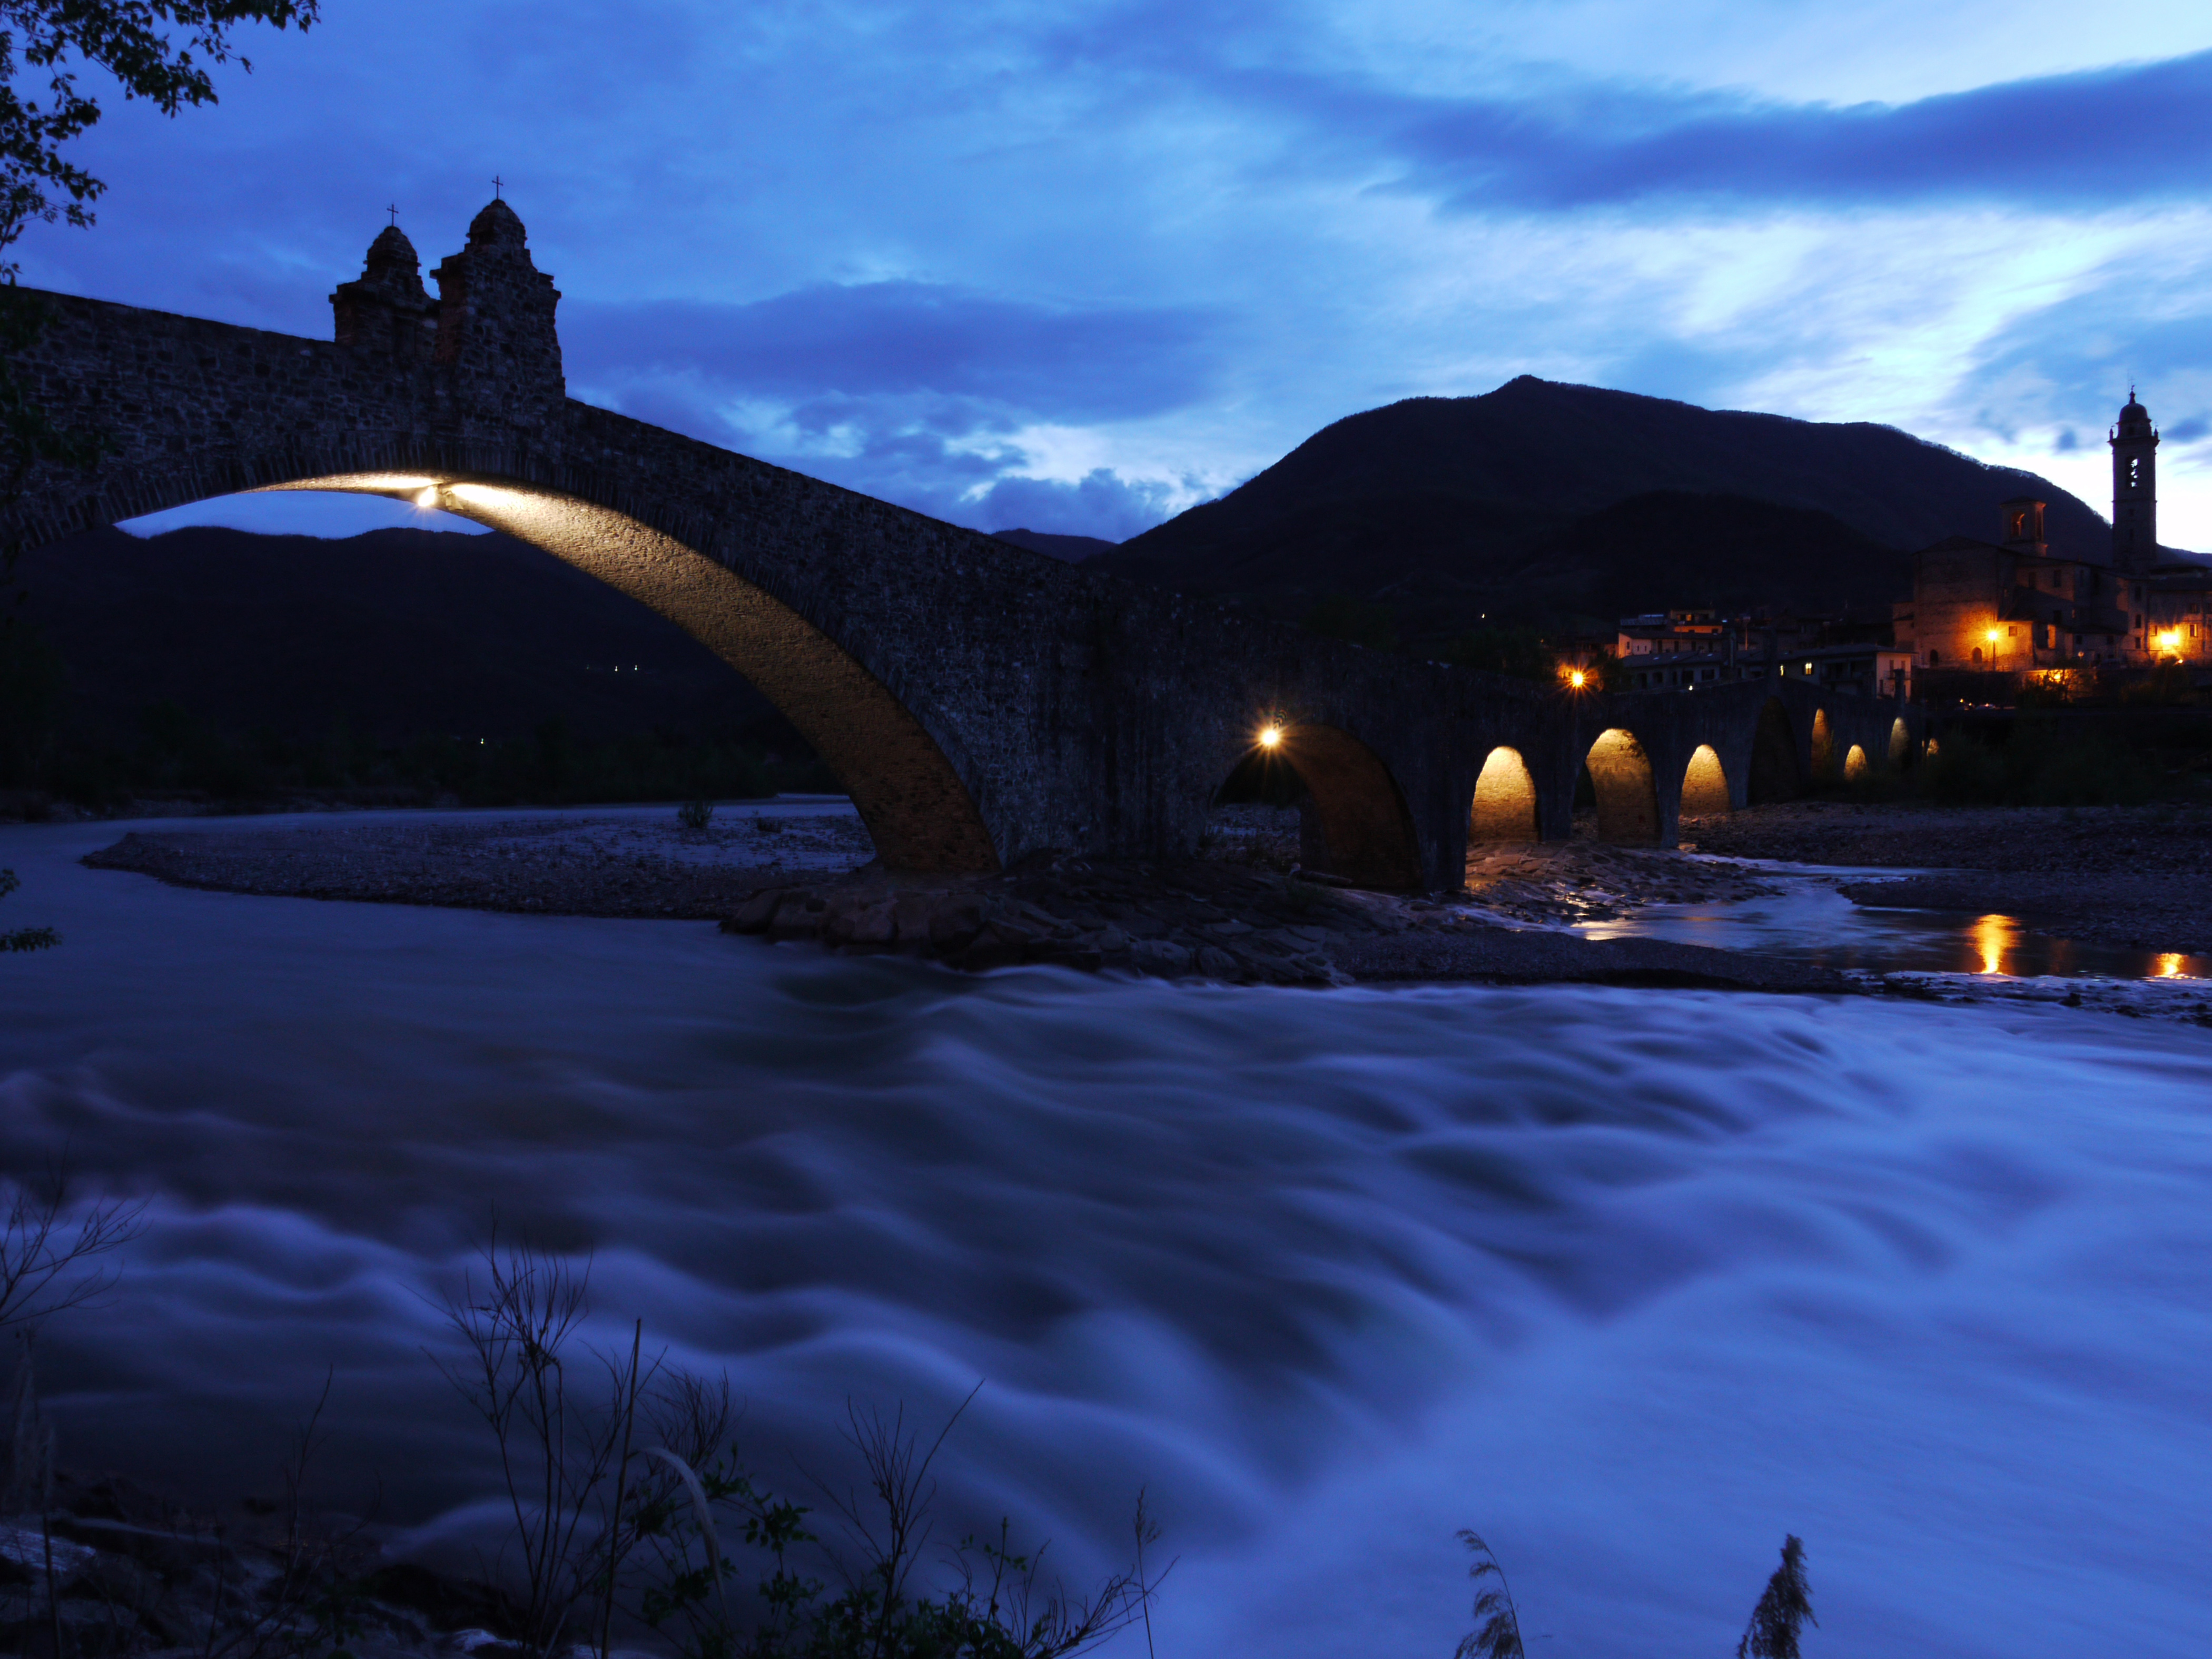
{"x": 1074, "y": 549}
{"x": 1443, "y": 504}
{"x": 396, "y": 635}
{"x": 1711, "y": 552}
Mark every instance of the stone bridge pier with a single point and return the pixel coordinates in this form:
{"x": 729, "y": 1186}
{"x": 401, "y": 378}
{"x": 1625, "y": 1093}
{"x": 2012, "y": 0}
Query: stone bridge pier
{"x": 982, "y": 704}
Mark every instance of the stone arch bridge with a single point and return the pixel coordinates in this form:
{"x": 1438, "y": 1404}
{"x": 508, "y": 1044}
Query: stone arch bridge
{"x": 981, "y": 703}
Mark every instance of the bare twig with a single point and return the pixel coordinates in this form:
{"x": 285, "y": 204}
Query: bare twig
{"x": 47, "y": 1244}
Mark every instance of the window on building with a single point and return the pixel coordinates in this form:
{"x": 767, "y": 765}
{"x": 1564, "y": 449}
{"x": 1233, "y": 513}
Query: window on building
{"x": 1934, "y": 658}
{"x": 1977, "y": 653}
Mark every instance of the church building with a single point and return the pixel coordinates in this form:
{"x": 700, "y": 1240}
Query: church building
{"x": 2017, "y": 603}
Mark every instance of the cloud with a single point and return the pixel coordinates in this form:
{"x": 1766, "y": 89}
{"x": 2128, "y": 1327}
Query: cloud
{"x": 906, "y": 338}
{"x": 914, "y": 391}
{"x": 1104, "y": 503}
{"x": 2134, "y": 133}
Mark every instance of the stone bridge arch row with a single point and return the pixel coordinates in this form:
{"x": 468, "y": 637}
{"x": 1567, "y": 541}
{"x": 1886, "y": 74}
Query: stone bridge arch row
{"x": 903, "y": 767}
{"x": 1762, "y": 740}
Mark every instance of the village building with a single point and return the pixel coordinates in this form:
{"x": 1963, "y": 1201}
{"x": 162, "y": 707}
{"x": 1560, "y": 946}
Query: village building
{"x": 2017, "y": 603}
{"x": 1682, "y": 650}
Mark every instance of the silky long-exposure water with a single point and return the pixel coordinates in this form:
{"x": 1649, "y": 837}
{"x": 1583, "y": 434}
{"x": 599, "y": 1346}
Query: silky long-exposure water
{"x": 1632, "y": 1281}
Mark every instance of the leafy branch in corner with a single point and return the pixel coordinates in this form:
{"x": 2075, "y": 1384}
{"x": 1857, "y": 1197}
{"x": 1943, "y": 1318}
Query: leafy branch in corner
{"x": 131, "y": 39}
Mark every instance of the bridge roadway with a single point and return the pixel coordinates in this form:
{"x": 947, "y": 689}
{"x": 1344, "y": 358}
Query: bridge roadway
{"x": 982, "y": 704}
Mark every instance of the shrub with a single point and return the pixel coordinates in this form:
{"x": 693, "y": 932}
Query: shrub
{"x": 694, "y": 815}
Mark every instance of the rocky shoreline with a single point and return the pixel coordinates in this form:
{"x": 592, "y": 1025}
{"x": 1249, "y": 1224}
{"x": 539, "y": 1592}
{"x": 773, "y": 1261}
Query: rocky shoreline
{"x": 2134, "y": 879}
{"x": 1244, "y": 915}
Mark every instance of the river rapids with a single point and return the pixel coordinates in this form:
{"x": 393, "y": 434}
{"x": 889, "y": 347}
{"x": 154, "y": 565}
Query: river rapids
{"x": 1631, "y": 1281}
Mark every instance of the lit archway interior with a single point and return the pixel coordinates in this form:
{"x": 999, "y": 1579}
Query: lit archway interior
{"x": 1824, "y": 746}
{"x": 1504, "y": 799}
{"x": 1704, "y": 785}
{"x": 1900, "y": 744}
{"x": 1357, "y": 806}
{"x": 1773, "y": 757}
{"x": 1855, "y": 764}
{"x": 914, "y": 804}
{"x": 1627, "y": 795}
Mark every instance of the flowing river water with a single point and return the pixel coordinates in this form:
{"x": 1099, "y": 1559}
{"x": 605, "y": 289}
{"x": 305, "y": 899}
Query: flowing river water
{"x": 1631, "y": 1281}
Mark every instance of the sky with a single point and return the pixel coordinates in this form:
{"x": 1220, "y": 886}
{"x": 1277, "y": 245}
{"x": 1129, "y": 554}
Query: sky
{"x": 1078, "y": 266}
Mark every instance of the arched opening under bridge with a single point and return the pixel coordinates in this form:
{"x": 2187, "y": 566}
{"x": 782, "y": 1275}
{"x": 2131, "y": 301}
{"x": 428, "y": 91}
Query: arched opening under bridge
{"x": 1823, "y": 748}
{"x": 1505, "y": 806}
{"x": 1704, "y": 785}
{"x": 915, "y": 805}
{"x": 1855, "y": 764}
{"x": 1627, "y": 794}
{"x": 1773, "y": 758}
{"x": 1257, "y": 817}
{"x": 1900, "y": 744}
{"x": 1357, "y": 824}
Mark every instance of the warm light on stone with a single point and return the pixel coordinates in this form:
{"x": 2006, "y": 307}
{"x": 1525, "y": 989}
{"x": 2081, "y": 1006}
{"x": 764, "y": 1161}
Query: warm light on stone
{"x": 1704, "y": 785}
{"x": 1504, "y": 799}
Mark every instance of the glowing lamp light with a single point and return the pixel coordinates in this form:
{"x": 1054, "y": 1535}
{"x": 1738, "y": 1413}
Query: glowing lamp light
{"x": 426, "y": 496}
{"x": 2170, "y": 640}
{"x": 1992, "y": 636}
{"x": 1270, "y": 736}
{"x": 1578, "y": 678}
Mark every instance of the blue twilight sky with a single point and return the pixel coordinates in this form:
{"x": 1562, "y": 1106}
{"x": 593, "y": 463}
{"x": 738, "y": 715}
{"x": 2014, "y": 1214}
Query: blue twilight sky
{"x": 1076, "y": 266}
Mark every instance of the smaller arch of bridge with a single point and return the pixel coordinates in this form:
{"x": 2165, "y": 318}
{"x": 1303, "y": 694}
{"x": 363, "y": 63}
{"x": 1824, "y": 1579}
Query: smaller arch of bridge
{"x": 1505, "y": 806}
{"x": 1705, "y": 785}
{"x": 1357, "y": 806}
{"x": 1900, "y": 744}
{"x": 1627, "y": 792}
{"x": 1823, "y": 748}
{"x": 1773, "y": 757}
{"x": 1855, "y": 764}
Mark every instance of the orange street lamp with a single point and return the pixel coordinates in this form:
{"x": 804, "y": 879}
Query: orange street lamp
{"x": 1271, "y": 737}
{"x": 1993, "y": 636}
{"x": 2169, "y": 642}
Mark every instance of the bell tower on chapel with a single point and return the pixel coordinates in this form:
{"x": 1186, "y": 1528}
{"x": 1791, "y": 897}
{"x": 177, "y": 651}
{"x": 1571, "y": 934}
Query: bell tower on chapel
{"x": 2134, "y": 489}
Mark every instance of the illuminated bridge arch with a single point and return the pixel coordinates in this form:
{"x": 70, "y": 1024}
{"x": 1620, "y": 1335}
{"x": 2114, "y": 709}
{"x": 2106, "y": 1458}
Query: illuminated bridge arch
{"x": 1504, "y": 806}
{"x": 906, "y": 789}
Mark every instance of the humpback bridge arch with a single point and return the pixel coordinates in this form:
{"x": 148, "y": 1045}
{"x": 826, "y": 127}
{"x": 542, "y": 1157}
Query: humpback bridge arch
{"x": 984, "y": 704}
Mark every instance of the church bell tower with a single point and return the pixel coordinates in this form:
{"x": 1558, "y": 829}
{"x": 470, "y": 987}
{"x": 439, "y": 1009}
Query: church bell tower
{"x": 2134, "y": 489}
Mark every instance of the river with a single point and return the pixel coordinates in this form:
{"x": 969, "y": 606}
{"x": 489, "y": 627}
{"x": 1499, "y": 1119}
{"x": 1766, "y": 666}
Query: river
{"x": 1631, "y": 1281}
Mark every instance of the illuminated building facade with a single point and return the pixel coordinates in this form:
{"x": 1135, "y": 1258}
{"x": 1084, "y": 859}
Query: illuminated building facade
{"x": 2017, "y": 603}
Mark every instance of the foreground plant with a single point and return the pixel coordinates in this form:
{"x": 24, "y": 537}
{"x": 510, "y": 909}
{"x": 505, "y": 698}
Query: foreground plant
{"x": 625, "y": 1487}
{"x": 1776, "y": 1623}
{"x": 1783, "y": 1609}
{"x": 1497, "y": 1632}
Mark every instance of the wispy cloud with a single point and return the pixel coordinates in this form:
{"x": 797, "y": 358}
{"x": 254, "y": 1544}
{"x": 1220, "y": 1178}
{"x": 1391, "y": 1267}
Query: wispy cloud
{"x": 2139, "y": 133}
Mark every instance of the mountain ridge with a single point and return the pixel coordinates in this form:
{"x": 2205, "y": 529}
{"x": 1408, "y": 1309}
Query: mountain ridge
{"x": 1455, "y": 506}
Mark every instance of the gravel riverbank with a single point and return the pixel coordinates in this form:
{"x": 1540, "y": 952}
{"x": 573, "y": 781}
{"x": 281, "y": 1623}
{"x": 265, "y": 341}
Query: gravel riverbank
{"x": 2136, "y": 879}
{"x": 1241, "y": 916}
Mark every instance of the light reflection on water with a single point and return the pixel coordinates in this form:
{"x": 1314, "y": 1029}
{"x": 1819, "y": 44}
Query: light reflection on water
{"x": 1812, "y": 922}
